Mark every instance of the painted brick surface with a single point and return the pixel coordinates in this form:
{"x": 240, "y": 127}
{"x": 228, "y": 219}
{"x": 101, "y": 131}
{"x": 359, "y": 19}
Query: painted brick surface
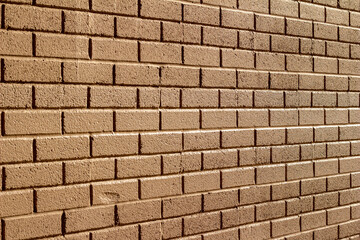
{"x": 180, "y": 119}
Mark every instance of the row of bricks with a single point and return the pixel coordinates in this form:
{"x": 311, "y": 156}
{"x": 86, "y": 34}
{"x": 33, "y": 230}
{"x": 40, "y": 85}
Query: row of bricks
{"x": 173, "y": 76}
{"x": 144, "y": 166}
{"x": 40, "y": 19}
{"x": 15, "y": 96}
{"x": 45, "y": 174}
{"x": 95, "y": 121}
{"x": 171, "y": 10}
{"x": 119, "y": 144}
{"x": 107, "y": 216}
{"x": 61, "y": 46}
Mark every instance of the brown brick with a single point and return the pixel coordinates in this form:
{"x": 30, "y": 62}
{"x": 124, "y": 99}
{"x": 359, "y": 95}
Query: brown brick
{"x": 127, "y": 7}
{"x": 114, "y": 192}
{"x": 220, "y": 200}
{"x": 326, "y": 133}
{"x": 180, "y": 76}
{"x": 138, "y": 166}
{"x": 237, "y": 138}
{"x": 310, "y": 81}
{"x": 311, "y": 116}
{"x": 218, "y": 119}
{"x": 149, "y": 97}
{"x": 252, "y": 79}
{"x": 127, "y": 232}
{"x": 237, "y": 58}
{"x": 201, "y": 56}
{"x": 15, "y": 203}
{"x": 160, "y": 142}
{"x": 181, "y": 32}
{"x": 349, "y": 164}
{"x": 285, "y": 226}
{"x": 338, "y": 149}
{"x": 170, "y": 97}
{"x": 313, "y": 220}
{"x": 285, "y": 44}
{"x": 112, "y": 97}
{"x": 338, "y": 182}
{"x": 52, "y": 148}
{"x": 349, "y": 34}
{"x": 81, "y": 4}
{"x": 274, "y": 136}
{"x": 283, "y": 117}
{"x": 161, "y": 10}
{"x": 349, "y": 66}
{"x": 139, "y": 211}
{"x": 312, "y": 186}
{"x": 236, "y": 98}
{"x": 201, "y": 140}
{"x": 349, "y": 132}
{"x": 115, "y": 144}
{"x": 15, "y": 43}
{"x": 269, "y": 98}
{"x": 218, "y": 78}
{"x": 33, "y": 226}
{"x": 180, "y": 119}
{"x": 224, "y": 234}
{"x": 16, "y": 150}
{"x": 259, "y": 6}
{"x": 312, "y": 46}
{"x": 88, "y": 121}
{"x": 298, "y": 63}
{"x": 326, "y": 200}
{"x": 349, "y": 228}
{"x": 60, "y": 198}
{"x": 313, "y": 151}
{"x": 325, "y": 65}
{"x": 328, "y": 232}
{"x": 237, "y": 177}
{"x": 285, "y": 153}
{"x": 138, "y": 28}
{"x": 216, "y": 36}
{"x": 284, "y": 8}
{"x": 299, "y": 205}
{"x": 298, "y": 27}
{"x": 114, "y": 49}
{"x": 33, "y": 175}
{"x": 237, "y": 19}
{"x": 161, "y": 187}
{"x": 253, "y": 118}
{"x": 270, "y": 61}
{"x": 83, "y": 72}
{"x": 184, "y": 162}
{"x": 206, "y": 181}
{"x": 238, "y": 216}
{"x": 160, "y": 52}
{"x": 89, "y": 218}
{"x": 254, "y": 194}
{"x": 312, "y": 12}
{"x": 15, "y": 96}
{"x": 258, "y": 230}
{"x": 285, "y": 190}
{"x": 183, "y": 205}
{"x": 299, "y": 135}
{"x": 201, "y": 14}
{"x": 204, "y": 222}
{"x": 137, "y": 120}
{"x": 270, "y": 174}
{"x": 283, "y": 81}
{"x": 337, "y": 215}
{"x": 254, "y": 40}
{"x": 324, "y": 99}
{"x": 299, "y": 170}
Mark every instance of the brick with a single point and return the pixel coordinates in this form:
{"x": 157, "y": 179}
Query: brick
{"x": 349, "y": 5}
{"x": 196, "y": 224}
{"x": 33, "y": 175}
{"x": 237, "y": 58}
{"x": 309, "y": 81}
{"x": 127, "y": 7}
{"x": 325, "y": 31}
{"x": 349, "y": 164}
{"x": 325, "y": 65}
{"x": 349, "y": 34}
{"x": 283, "y": 117}
{"x": 237, "y": 19}
{"x": 252, "y": 156}
{"x": 81, "y": 4}
{"x": 129, "y": 232}
{"x": 258, "y": 230}
{"x": 326, "y": 133}
{"x": 328, "y": 232}
{"x": 171, "y": 228}
{"x": 270, "y": 174}
{"x": 201, "y": 140}
{"x": 349, "y": 196}
{"x": 284, "y": 8}
{"x": 313, "y": 151}
{"x": 285, "y": 153}
{"x": 15, "y": 203}
{"x": 254, "y": 40}
{"x": 299, "y": 170}
{"x": 150, "y": 230}
{"x": 82, "y": 72}
{"x": 16, "y": 150}
{"x": 285, "y": 44}
{"x": 161, "y": 10}
{"x": 201, "y": 56}
{"x": 140, "y": 166}
{"x": 252, "y": 79}
{"x": 170, "y": 97}
{"x": 283, "y": 81}
{"x": 254, "y": 194}
{"x": 48, "y": 45}
{"x": 33, "y": 226}
{"x": 285, "y": 190}
{"x": 237, "y": 177}
{"x": 313, "y": 220}
{"x": 32, "y": 18}
{"x": 236, "y": 98}
{"x": 354, "y": 51}
{"x": 89, "y": 170}
{"x": 270, "y": 61}
{"x": 139, "y": 211}
{"x": 324, "y": 99}
{"x": 269, "y": 99}
{"x": 160, "y": 142}
{"x": 138, "y": 28}
{"x": 220, "y": 200}
{"x": 224, "y": 234}
{"x": 274, "y": 136}
{"x": 354, "y": 19}
{"x": 180, "y": 76}
{"x": 218, "y": 78}
{"x": 237, "y": 138}
{"x": 88, "y": 23}
{"x": 253, "y": 118}
{"x": 312, "y": 186}
{"x": 312, "y": 12}
{"x": 336, "y": 83}
{"x": 60, "y": 198}
{"x": 137, "y": 120}
{"x": 258, "y": 6}
{"x": 181, "y": 32}
{"x": 149, "y": 97}
{"x": 15, "y": 96}
{"x": 285, "y": 226}
{"x": 114, "y": 192}
{"x": 52, "y": 148}
{"x": 311, "y": 116}
{"x": 299, "y": 63}
{"x": 338, "y": 149}
{"x": 297, "y": 27}
{"x": 184, "y": 162}
{"x": 349, "y": 66}
{"x": 114, "y": 49}
{"x": 349, "y": 132}
{"x": 32, "y": 71}
{"x": 201, "y": 14}
{"x": 57, "y": 96}
{"x": 218, "y": 119}
{"x": 299, "y": 205}
{"x": 271, "y": 24}
{"x": 88, "y": 121}
{"x": 32, "y": 122}
{"x": 114, "y": 144}
{"x": 328, "y": 3}
{"x": 161, "y": 187}
{"x": 337, "y": 215}
{"x": 16, "y": 43}
{"x": 326, "y": 200}
{"x": 203, "y": 181}
{"x": 184, "y": 205}
{"x": 89, "y": 218}
{"x": 299, "y": 135}
{"x": 176, "y": 119}
{"x": 215, "y": 36}
{"x": 336, "y": 116}
{"x": 160, "y": 52}
{"x": 348, "y": 99}
{"x": 238, "y": 216}
{"x": 312, "y": 46}
{"x": 112, "y": 97}
{"x": 338, "y": 182}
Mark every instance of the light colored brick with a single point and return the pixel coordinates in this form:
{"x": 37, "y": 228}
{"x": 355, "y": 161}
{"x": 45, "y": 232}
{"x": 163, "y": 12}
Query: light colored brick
{"x": 140, "y": 166}
{"x": 115, "y": 144}
{"x": 16, "y": 203}
{"x": 114, "y": 49}
{"x": 180, "y": 76}
{"x": 237, "y": 19}
{"x": 201, "y": 14}
{"x": 201, "y": 56}
{"x": 181, "y": 32}
{"x": 114, "y": 192}
{"x": 139, "y": 211}
{"x": 160, "y": 142}
{"x": 138, "y": 28}
{"x": 199, "y": 182}
{"x": 16, "y": 150}
{"x": 270, "y": 61}
{"x": 201, "y": 140}
{"x": 182, "y": 205}
{"x": 218, "y": 78}
{"x": 16, "y": 43}
{"x": 161, "y": 187}
{"x": 160, "y": 52}
{"x": 218, "y": 119}
{"x": 127, "y": 7}
{"x": 83, "y": 72}
{"x": 137, "y": 120}
{"x": 258, "y": 6}
{"x": 215, "y": 36}
{"x": 273, "y": 136}
{"x": 81, "y": 4}
{"x": 180, "y": 119}
{"x": 238, "y": 177}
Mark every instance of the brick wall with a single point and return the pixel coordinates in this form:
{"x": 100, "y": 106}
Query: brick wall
{"x": 194, "y": 120}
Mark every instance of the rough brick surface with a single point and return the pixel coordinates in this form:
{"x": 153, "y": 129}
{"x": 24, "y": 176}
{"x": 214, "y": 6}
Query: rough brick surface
{"x": 180, "y": 119}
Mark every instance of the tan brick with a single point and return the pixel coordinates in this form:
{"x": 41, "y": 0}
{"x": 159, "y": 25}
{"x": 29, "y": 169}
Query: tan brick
{"x": 170, "y": 97}
{"x": 313, "y": 151}
{"x": 285, "y": 190}
{"x": 127, "y": 232}
{"x": 336, "y": 116}
{"x": 312, "y": 46}
{"x": 218, "y": 119}
{"x": 254, "y": 40}
{"x": 237, "y": 58}
{"x": 138, "y": 28}
{"x": 224, "y": 234}
{"x": 216, "y": 36}
{"x": 349, "y": 66}
{"x": 201, "y": 56}
{"x": 114, "y": 49}
{"x": 16, "y": 43}
{"x": 237, "y": 19}
{"x": 338, "y": 149}
{"x": 171, "y": 228}
{"x": 253, "y": 118}
{"x": 326, "y": 2}
{"x": 218, "y": 78}
{"x": 201, "y": 140}
{"x": 15, "y": 203}
{"x": 138, "y": 166}
{"x": 285, "y": 153}
{"x": 16, "y": 150}
{"x": 254, "y": 156}
{"x": 298, "y": 63}
{"x": 161, "y": 187}
{"x": 114, "y": 192}
{"x": 237, "y": 177}
{"x": 349, "y": 164}
{"x": 115, "y": 144}
{"x": 284, "y": 8}
{"x": 269, "y": 99}
{"x": 200, "y": 98}
{"x": 285, "y": 226}
{"x": 274, "y": 136}
{"x": 325, "y": 65}
{"x": 82, "y": 72}
{"x": 150, "y": 230}
{"x": 184, "y": 162}
{"x": 220, "y": 200}
{"x": 326, "y": 133}
{"x": 348, "y": 99}
{"x": 88, "y": 23}
{"x": 236, "y": 98}
{"x": 283, "y": 81}
{"x": 299, "y": 170}
{"x": 349, "y": 132}
{"x": 160, "y": 142}
{"x": 252, "y": 79}
{"x": 298, "y": 27}
{"x": 127, "y": 7}
{"x": 89, "y": 218}
{"x": 33, "y": 226}
{"x": 271, "y": 24}
{"x": 349, "y": 228}
{"x": 328, "y": 232}
{"x": 354, "y": 19}
{"x": 312, "y": 186}
{"x": 176, "y": 119}
{"x": 299, "y": 135}
{"x": 184, "y": 205}
{"x": 203, "y": 181}
{"x": 139, "y": 211}
{"x": 336, "y": 49}
{"x": 201, "y": 14}
{"x": 311, "y": 116}
{"x": 149, "y": 97}
{"x": 270, "y": 174}
{"x": 313, "y": 220}
{"x": 258, "y": 230}
{"x": 89, "y": 170}
{"x": 81, "y": 4}
{"x": 270, "y": 61}
{"x": 15, "y": 96}
{"x": 238, "y": 216}
{"x": 181, "y": 32}
{"x": 254, "y": 194}
{"x": 180, "y": 76}
{"x": 349, "y": 34}
{"x": 33, "y": 175}
{"x": 338, "y": 182}
{"x": 82, "y": 121}
{"x": 283, "y": 117}
{"x": 137, "y": 120}
{"x": 324, "y": 99}
{"x": 161, "y": 10}
{"x": 309, "y": 81}
{"x": 112, "y": 97}
{"x": 204, "y": 222}
{"x": 60, "y": 198}
{"x": 48, "y": 45}
{"x": 337, "y": 215}
{"x": 312, "y": 12}
{"x": 160, "y": 52}
{"x": 326, "y": 200}
{"x": 285, "y": 44}
{"x": 237, "y": 138}
{"x": 299, "y": 205}
{"x": 325, "y": 31}
{"x": 52, "y": 148}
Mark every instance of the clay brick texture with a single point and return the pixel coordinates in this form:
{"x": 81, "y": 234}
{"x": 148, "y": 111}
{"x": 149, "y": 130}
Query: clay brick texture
{"x": 180, "y": 119}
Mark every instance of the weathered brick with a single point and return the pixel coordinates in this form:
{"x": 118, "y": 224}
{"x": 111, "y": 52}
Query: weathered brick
{"x": 127, "y": 7}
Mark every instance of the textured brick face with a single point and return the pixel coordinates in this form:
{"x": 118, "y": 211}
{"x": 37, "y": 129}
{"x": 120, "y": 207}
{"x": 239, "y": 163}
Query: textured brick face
{"x": 180, "y": 119}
